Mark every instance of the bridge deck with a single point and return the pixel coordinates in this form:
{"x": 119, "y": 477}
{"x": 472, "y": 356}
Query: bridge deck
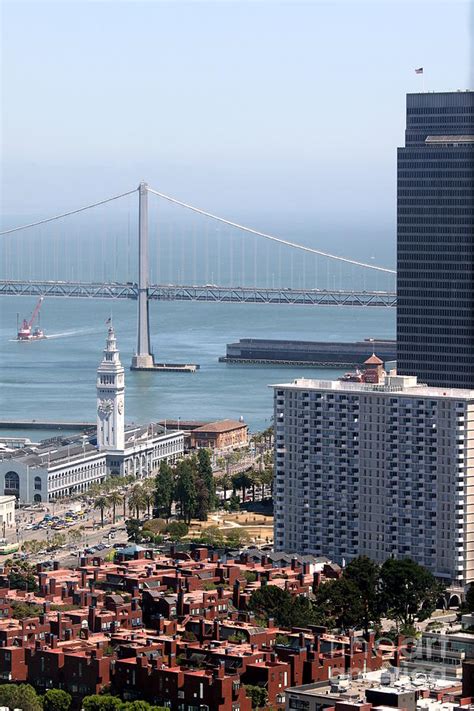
{"x": 207, "y": 293}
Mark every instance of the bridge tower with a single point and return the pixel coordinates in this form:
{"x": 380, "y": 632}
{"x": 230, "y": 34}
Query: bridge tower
{"x": 143, "y": 358}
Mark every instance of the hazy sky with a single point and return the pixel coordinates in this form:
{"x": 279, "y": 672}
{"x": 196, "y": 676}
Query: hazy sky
{"x": 248, "y": 108}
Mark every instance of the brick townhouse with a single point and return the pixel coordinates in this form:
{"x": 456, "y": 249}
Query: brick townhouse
{"x": 171, "y": 628}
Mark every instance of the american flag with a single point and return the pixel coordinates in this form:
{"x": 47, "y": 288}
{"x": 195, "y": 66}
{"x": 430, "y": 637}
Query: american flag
{"x": 419, "y": 70}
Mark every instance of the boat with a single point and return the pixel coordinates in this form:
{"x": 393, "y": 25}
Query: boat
{"x": 26, "y": 332}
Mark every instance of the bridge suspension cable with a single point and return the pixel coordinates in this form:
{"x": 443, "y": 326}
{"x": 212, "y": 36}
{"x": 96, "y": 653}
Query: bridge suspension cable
{"x": 66, "y": 214}
{"x": 271, "y": 237}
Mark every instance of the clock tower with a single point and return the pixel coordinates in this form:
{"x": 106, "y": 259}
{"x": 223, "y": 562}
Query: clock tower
{"x": 110, "y": 398}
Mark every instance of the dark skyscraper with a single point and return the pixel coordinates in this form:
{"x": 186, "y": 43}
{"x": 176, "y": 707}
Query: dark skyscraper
{"x": 435, "y": 240}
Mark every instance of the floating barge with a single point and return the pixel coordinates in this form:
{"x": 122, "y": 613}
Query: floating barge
{"x": 169, "y": 367}
{"x": 322, "y": 354}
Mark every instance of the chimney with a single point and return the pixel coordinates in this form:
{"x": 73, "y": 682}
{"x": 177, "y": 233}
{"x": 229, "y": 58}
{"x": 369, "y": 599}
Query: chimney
{"x": 236, "y": 594}
{"x": 56, "y": 565}
{"x": 220, "y": 592}
{"x": 271, "y": 623}
{"x": 221, "y": 670}
{"x": 180, "y": 603}
{"x": 294, "y": 563}
{"x": 83, "y": 579}
{"x": 316, "y": 581}
{"x": 216, "y": 630}
{"x": 91, "y": 618}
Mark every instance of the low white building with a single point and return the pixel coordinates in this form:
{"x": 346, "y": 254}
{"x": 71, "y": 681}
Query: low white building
{"x": 7, "y": 514}
{"x": 53, "y": 470}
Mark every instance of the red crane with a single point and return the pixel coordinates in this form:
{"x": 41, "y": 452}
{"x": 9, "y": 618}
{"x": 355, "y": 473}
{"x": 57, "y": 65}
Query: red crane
{"x": 25, "y": 333}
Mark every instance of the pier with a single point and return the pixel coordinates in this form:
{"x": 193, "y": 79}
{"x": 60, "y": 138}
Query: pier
{"x": 45, "y": 425}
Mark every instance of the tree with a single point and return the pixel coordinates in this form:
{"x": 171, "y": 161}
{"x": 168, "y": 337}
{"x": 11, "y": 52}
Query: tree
{"x": 101, "y": 703}
{"x": 101, "y": 503}
{"x": 164, "y": 489}
{"x": 254, "y": 478}
{"x": 185, "y": 491}
{"x": 205, "y": 473}
{"x": 20, "y": 696}
{"x": 22, "y": 576}
{"x": 136, "y": 500}
{"x": 266, "y": 479}
{"x": 21, "y": 610}
{"x": 74, "y": 535}
{"x": 115, "y": 499}
{"x": 134, "y": 530}
{"x": 365, "y": 574}
{"x": 32, "y": 546}
{"x": 236, "y": 537}
{"x": 234, "y": 503}
{"x": 148, "y": 499}
{"x": 408, "y": 591}
{"x": 212, "y": 536}
{"x": 177, "y": 530}
{"x": 202, "y": 505}
{"x": 258, "y": 695}
{"x": 339, "y": 603}
{"x": 242, "y": 481}
{"x": 470, "y": 598}
{"x": 224, "y": 482}
{"x": 286, "y": 609}
{"x": 155, "y": 525}
{"x": 56, "y": 700}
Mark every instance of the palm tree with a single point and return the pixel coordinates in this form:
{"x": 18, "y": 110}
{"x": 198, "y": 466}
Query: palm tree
{"x": 225, "y": 483}
{"x": 148, "y": 499}
{"x": 114, "y": 500}
{"x": 101, "y": 503}
{"x": 266, "y": 479}
{"x": 254, "y": 478}
{"x": 136, "y": 500}
{"x": 241, "y": 481}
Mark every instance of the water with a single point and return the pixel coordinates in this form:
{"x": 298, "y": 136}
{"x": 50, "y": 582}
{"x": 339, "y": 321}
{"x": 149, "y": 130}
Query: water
{"x": 55, "y": 378}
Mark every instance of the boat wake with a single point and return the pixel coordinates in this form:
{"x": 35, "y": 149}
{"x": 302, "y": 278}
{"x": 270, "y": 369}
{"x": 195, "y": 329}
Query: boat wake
{"x": 68, "y": 334}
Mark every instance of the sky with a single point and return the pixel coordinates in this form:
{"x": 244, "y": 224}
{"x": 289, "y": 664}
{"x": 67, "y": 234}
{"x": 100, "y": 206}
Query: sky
{"x": 257, "y": 110}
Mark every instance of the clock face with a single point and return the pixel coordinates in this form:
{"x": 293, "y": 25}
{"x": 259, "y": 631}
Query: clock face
{"x": 105, "y": 407}
{"x": 120, "y": 406}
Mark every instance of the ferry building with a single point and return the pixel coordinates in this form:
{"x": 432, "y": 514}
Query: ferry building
{"x": 47, "y": 471}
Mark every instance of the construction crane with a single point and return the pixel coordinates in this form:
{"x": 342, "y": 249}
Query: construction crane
{"x": 25, "y": 332}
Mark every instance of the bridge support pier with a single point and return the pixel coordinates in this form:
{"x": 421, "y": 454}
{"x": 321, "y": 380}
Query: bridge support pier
{"x": 143, "y": 358}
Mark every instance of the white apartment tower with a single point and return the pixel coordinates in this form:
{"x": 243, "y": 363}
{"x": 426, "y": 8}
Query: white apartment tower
{"x": 110, "y": 398}
{"x": 376, "y": 469}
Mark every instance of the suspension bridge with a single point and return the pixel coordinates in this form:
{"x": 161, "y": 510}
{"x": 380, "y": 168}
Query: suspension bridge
{"x": 220, "y": 251}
